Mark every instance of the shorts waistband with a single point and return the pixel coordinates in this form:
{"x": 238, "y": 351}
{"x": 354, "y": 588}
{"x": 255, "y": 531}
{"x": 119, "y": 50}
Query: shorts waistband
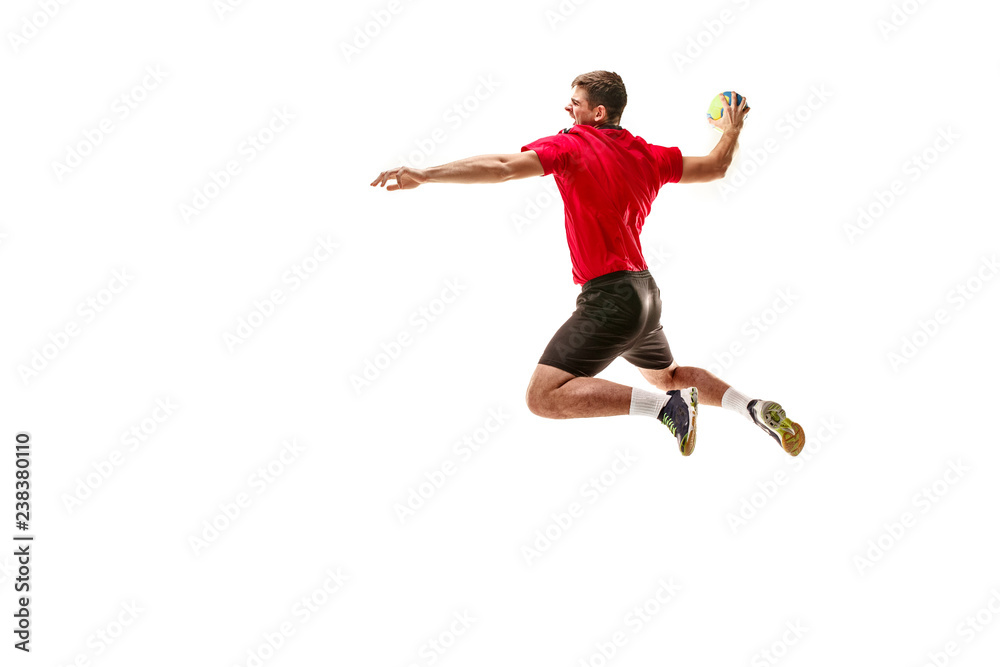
{"x": 615, "y": 276}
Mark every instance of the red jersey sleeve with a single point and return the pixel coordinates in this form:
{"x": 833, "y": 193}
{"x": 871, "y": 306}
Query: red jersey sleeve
{"x": 555, "y": 152}
{"x": 669, "y": 161}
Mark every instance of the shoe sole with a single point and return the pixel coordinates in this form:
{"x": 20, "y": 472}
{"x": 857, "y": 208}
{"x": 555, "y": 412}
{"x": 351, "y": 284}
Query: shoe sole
{"x": 793, "y": 441}
{"x": 687, "y": 444}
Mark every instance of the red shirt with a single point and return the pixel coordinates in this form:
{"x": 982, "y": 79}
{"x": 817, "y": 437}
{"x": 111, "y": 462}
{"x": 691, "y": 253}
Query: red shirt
{"x": 608, "y": 179}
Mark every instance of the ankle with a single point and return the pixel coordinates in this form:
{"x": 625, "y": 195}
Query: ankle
{"x": 737, "y": 402}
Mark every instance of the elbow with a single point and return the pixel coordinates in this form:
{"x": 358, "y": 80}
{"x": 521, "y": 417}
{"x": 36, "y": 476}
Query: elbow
{"x": 721, "y": 168}
{"x": 504, "y": 171}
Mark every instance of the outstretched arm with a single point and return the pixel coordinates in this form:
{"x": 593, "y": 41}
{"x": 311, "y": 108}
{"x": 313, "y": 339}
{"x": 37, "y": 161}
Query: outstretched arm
{"x": 714, "y": 165}
{"x": 478, "y": 169}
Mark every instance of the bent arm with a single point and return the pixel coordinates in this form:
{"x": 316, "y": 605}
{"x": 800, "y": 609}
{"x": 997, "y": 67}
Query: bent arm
{"x": 486, "y": 169}
{"x": 714, "y": 165}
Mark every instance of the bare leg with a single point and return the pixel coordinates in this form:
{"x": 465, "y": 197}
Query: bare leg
{"x": 710, "y": 388}
{"x": 556, "y": 394}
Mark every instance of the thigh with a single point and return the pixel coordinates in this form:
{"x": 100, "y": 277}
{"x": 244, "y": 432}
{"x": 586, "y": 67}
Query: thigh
{"x": 547, "y": 378}
{"x": 651, "y": 352}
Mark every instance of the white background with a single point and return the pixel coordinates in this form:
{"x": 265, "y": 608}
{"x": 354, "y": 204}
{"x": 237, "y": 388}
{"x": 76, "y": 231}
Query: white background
{"x": 750, "y": 556}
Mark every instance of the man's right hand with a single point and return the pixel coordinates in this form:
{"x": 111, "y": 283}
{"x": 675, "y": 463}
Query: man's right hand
{"x": 406, "y": 178}
{"x": 732, "y": 117}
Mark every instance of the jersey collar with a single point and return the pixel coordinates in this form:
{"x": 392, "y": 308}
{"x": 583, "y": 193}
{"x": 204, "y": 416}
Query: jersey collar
{"x": 601, "y": 127}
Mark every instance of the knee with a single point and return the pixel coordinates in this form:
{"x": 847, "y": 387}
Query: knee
{"x": 664, "y": 380}
{"x": 545, "y": 392}
{"x": 538, "y": 401}
{"x": 664, "y": 384}
{"x": 544, "y": 401}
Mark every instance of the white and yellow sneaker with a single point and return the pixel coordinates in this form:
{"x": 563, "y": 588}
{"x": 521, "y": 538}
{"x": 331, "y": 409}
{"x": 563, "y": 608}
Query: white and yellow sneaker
{"x": 771, "y": 417}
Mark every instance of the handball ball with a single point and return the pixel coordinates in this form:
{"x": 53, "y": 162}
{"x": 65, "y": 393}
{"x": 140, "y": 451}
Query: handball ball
{"x": 715, "y": 108}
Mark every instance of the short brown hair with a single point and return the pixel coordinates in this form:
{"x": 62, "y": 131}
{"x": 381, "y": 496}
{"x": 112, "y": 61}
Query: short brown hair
{"x": 605, "y": 88}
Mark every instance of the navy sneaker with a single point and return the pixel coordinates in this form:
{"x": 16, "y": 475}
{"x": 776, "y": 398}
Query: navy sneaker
{"x": 771, "y": 417}
{"x": 680, "y": 414}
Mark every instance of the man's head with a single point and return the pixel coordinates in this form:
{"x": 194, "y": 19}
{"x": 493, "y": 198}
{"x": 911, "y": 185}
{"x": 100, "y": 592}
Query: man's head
{"x": 598, "y": 98}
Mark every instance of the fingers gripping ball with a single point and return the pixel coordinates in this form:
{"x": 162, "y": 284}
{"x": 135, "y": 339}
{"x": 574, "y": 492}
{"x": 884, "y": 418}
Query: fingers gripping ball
{"x": 715, "y": 109}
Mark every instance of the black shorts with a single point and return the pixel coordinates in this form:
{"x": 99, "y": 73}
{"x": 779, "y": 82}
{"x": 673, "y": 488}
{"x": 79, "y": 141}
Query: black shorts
{"x": 617, "y": 315}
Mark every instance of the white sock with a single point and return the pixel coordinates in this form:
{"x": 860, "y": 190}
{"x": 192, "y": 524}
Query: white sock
{"x": 737, "y": 402}
{"x": 647, "y": 403}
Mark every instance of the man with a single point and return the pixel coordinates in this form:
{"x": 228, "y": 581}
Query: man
{"x": 608, "y": 179}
